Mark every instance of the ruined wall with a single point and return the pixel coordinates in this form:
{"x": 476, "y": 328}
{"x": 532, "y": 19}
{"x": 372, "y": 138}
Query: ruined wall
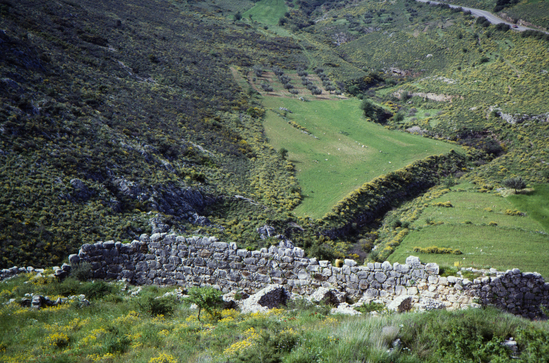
{"x": 165, "y": 259}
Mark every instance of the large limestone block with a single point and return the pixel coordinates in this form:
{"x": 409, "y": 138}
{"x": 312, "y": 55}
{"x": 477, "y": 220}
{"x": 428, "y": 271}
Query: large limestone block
{"x": 325, "y": 295}
{"x": 268, "y": 298}
{"x": 400, "y": 304}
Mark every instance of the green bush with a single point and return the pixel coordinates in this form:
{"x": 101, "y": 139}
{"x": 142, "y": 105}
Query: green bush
{"x": 157, "y": 305}
{"x": 371, "y": 306}
{"x": 82, "y": 271}
{"x": 270, "y": 348}
{"x": 206, "y": 298}
{"x": 437, "y": 250}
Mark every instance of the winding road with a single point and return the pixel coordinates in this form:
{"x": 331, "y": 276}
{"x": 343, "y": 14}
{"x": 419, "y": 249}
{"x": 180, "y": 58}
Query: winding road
{"x": 488, "y": 15}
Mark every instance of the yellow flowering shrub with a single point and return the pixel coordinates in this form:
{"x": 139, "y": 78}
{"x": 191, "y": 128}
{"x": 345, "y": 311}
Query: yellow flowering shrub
{"x": 163, "y": 358}
{"x": 131, "y": 318}
{"x": 251, "y": 335}
{"x": 58, "y": 340}
{"x": 100, "y": 358}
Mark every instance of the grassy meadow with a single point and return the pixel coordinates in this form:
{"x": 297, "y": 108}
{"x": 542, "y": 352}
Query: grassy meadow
{"x": 342, "y": 151}
{"x": 484, "y": 227}
{"x": 267, "y": 11}
{"x": 535, "y": 203}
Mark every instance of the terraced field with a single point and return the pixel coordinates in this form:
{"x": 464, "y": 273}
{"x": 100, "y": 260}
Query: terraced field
{"x": 486, "y": 227}
{"x": 341, "y": 150}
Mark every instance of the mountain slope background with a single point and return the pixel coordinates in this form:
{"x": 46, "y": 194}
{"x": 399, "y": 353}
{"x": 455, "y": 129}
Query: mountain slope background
{"x": 125, "y": 118}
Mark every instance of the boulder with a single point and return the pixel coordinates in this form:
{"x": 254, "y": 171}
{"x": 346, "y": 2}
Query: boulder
{"x": 232, "y": 299}
{"x": 38, "y": 301}
{"x": 345, "y": 309}
{"x": 270, "y": 297}
{"x": 327, "y": 296}
{"x": 400, "y": 304}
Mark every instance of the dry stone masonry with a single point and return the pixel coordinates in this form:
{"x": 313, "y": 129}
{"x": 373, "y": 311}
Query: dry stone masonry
{"x": 168, "y": 259}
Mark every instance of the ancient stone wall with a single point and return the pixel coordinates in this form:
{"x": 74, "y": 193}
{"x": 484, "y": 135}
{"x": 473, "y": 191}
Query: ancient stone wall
{"x": 167, "y": 259}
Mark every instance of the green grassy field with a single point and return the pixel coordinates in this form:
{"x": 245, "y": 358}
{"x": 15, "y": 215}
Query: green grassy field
{"x": 535, "y": 203}
{"x": 267, "y": 11}
{"x": 478, "y": 226}
{"x": 482, "y": 246}
{"x": 347, "y": 151}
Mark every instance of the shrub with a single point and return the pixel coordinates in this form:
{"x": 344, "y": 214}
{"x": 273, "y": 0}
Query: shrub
{"x": 437, "y": 250}
{"x": 514, "y": 183}
{"x": 115, "y": 341}
{"x": 206, "y": 298}
{"x": 81, "y": 271}
{"x": 58, "y": 340}
{"x": 155, "y": 306}
{"x": 163, "y": 358}
{"x": 323, "y": 252}
{"x": 514, "y": 212}
{"x": 371, "y": 306}
{"x": 270, "y": 348}
{"x": 447, "y": 204}
{"x": 97, "y": 289}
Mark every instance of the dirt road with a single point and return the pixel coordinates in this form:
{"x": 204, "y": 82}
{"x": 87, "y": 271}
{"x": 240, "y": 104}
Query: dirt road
{"x": 488, "y": 15}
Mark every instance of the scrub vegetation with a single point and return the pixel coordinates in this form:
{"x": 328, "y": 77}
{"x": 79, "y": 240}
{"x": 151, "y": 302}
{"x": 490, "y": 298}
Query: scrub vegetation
{"x": 118, "y": 326}
{"x": 322, "y": 119}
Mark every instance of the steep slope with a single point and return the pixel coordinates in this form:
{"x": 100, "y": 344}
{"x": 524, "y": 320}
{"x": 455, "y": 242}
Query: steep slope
{"x": 113, "y": 110}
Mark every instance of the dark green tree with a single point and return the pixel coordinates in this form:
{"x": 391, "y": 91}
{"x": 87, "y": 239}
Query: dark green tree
{"x": 515, "y": 183}
{"x": 237, "y": 16}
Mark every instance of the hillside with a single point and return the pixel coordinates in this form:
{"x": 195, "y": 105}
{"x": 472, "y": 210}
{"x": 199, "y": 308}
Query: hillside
{"x": 305, "y": 148}
{"x": 198, "y": 118}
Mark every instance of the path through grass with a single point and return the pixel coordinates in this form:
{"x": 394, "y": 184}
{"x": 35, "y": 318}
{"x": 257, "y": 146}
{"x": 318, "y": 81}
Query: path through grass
{"x": 347, "y": 151}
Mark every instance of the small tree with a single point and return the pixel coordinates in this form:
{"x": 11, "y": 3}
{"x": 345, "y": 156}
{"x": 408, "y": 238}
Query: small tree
{"x": 369, "y": 108}
{"x": 515, "y": 183}
{"x": 206, "y": 298}
{"x": 237, "y": 16}
{"x": 283, "y": 152}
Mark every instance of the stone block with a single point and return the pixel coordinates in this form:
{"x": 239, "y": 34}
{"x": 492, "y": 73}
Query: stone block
{"x": 298, "y": 252}
{"x": 400, "y": 304}
{"x": 380, "y": 277}
{"x": 242, "y": 253}
{"x": 412, "y": 290}
{"x": 349, "y": 262}
{"x": 346, "y": 270}
{"x": 413, "y": 261}
{"x": 432, "y": 268}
